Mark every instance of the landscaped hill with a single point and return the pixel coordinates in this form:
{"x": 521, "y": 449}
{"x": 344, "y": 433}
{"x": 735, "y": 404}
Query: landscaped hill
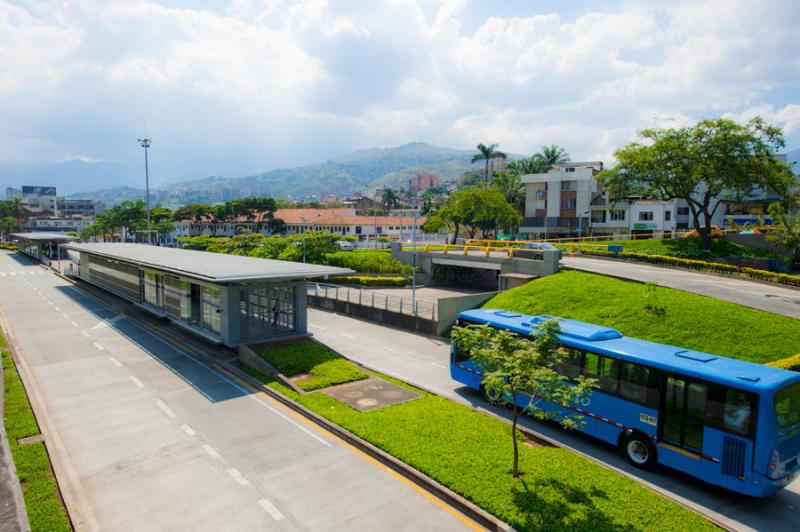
{"x": 690, "y": 248}
{"x": 688, "y": 320}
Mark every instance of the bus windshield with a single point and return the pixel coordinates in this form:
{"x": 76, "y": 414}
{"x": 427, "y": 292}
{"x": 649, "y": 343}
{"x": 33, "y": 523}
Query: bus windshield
{"x": 787, "y": 406}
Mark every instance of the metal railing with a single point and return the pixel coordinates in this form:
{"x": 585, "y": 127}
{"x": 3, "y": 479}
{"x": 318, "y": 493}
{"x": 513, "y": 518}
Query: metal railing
{"x": 369, "y": 298}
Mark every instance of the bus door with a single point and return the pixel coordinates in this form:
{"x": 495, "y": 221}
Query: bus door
{"x": 683, "y": 407}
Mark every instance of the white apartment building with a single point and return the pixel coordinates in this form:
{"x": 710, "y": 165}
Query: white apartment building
{"x": 557, "y": 202}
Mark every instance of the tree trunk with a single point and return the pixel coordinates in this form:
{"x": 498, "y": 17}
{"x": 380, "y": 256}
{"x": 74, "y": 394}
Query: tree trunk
{"x": 455, "y": 233}
{"x": 486, "y": 173}
{"x": 514, "y": 416}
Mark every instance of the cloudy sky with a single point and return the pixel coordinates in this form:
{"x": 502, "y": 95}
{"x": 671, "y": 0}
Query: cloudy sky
{"x": 235, "y": 88}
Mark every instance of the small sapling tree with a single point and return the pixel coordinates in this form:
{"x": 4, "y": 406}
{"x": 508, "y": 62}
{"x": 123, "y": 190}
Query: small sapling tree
{"x": 524, "y": 368}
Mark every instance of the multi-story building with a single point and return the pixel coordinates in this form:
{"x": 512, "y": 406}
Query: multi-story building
{"x": 557, "y": 202}
{"x": 45, "y": 200}
{"x": 423, "y": 181}
{"x": 53, "y": 224}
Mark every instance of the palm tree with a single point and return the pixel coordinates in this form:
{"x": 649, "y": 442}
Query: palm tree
{"x": 389, "y": 199}
{"x": 553, "y": 155}
{"x": 487, "y": 153}
{"x": 511, "y": 187}
{"x": 532, "y": 165}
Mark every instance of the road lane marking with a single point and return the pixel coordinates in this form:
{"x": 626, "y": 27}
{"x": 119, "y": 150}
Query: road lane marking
{"x": 57, "y": 308}
{"x": 65, "y": 315}
{"x": 211, "y": 451}
{"x": 112, "y": 359}
{"x": 85, "y": 334}
{"x": 320, "y": 327}
{"x": 348, "y": 336}
{"x": 12, "y": 274}
{"x": 438, "y": 365}
{"x": 270, "y": 508}
{"x": 238, "y": 477}
{"x": 188, "y": 430}
{"x": 75, "y": 324}
{"x": 164, "y": 408}
{"x": 50, "y": 302}
{"x": 98, "y": 346}
{"x": 136, "y": 381}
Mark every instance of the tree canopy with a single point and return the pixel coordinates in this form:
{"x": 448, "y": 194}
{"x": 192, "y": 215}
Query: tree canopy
{"x": 476, "y": 209}
{"x": 701, "y": 164}
{"x": 486, "y": 154}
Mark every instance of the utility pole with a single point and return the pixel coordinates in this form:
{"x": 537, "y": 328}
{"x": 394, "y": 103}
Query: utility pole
{"x": 375, "y": 222}
{"x": 145, "y": 143}
{"x": 304, "y": 238}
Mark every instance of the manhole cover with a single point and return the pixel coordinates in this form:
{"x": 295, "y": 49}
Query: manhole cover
{"x": 366, "y": 402}
{"x": 391, "y": 394}
{"x": 353, "y": 394}
{"x": 373, "y": 387}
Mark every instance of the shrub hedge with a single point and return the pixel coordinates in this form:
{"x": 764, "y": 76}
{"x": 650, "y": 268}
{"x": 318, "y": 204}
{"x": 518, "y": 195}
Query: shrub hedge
{"x": 367, "y": 280}
{"x": 717, "y": 267}
{"x": 368, "y": 262}
{"x": 791, "y": 363}
{"x": 10, "y": 247}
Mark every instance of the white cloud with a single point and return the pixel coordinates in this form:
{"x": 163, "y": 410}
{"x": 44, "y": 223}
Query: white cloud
{"x": 258, "y": 83}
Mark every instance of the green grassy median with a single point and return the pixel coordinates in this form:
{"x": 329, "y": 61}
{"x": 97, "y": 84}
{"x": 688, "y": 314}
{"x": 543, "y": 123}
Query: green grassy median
{"x": 307, "y": 357}
{"x": 470, "y": 453}
{"x": 686, "y": 320}
{"x": 39, "y": 488}
{"x": 690, "y": 248}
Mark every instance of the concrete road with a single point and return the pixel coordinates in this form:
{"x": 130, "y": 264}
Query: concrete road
{"x": 772, "y": 298}
{"x": 144, "y": 437}
{"x": 424, "y": 361}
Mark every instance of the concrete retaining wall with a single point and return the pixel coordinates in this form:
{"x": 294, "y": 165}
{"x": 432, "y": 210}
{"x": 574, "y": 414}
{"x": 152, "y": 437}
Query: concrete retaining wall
{"x": 449, "y": 307}
{"x": 385, "y": 317}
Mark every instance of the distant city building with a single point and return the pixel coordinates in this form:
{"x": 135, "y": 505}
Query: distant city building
{"x": 52, "y": 224}
{"x": 45, "y": 200}
{"x": 497, "y": 164}
{"x": 362, "y": 203}
{"x": 423, "y": 181}
{"x": 12, "y": 193}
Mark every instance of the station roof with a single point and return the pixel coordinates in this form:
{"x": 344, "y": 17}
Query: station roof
{"x": 204, "y": 265}
{"x": 44, "y": 236}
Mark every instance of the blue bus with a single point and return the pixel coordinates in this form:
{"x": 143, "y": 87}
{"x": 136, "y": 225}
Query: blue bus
{"x": 731, "y": 423}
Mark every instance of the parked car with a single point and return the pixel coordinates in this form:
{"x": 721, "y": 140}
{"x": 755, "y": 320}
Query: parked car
{"x": 538, "y": 245}
{"x": 344, "y": 245}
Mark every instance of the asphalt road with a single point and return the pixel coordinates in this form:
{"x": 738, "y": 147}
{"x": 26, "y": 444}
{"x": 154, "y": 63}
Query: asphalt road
{"x": 772, "y": 298}
{"x": 424, "y": 361}
{"x": 145, "y": 437}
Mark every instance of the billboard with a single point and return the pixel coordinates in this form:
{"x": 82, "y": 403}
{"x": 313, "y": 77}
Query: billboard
{"x": 28, "y": 190}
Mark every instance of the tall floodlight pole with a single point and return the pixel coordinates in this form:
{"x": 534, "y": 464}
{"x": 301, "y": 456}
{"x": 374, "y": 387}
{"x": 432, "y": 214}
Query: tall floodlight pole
{"x": 145, "y": 143}
{"x": 303, "y": 228}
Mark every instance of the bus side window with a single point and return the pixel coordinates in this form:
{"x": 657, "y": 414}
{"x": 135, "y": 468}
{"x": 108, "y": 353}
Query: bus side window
{"x": 571, "y": 366}
{"x": 604, "y": 369}
{"x": 633, "y": 382}
{"x": 738, "y": 412}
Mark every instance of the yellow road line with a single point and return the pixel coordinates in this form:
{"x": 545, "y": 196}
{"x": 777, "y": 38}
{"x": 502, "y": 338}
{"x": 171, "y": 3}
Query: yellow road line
{"x": 452, "y": 511}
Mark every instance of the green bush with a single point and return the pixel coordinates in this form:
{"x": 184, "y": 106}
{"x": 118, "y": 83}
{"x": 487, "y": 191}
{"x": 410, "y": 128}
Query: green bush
{"x": 687, "y": 248}
{"x": 791, "y": 363}
{"x": 10, "y": 247}
{"x": 367, "y": 280}
{"x": 305, "y": 356}
{"x": 368, "y": 262}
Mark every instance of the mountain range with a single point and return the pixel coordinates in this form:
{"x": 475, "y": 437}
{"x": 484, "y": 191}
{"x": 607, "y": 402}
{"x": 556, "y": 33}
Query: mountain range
{"x": 362, "y": 169}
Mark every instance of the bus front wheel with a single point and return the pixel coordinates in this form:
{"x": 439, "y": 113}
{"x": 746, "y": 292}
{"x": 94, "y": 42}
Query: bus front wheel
{"x": 639, "y": 450}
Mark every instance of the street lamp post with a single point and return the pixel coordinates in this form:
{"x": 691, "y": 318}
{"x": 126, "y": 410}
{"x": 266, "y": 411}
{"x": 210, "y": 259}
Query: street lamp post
{"x": 304, "y": 237}
{"x": 414, "y": 266}
{"x": 145, "y": 143}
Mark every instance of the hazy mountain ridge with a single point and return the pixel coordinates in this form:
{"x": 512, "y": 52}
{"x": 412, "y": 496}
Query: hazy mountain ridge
{"x": 368, "y": 168}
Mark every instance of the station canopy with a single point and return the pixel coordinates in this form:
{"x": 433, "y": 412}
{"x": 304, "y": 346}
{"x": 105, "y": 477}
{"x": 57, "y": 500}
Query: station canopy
{"x": 44, "y": 237}
{"x": 204, "y": 265}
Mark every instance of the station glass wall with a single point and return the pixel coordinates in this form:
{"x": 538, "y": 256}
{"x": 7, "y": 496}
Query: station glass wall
{"x": 115, "y": 277}
{"x": 266, "y": 311}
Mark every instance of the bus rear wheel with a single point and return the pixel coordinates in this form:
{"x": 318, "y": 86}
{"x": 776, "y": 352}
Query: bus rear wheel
{"x": 639, "y": 450}
{"x": 491, "y": 395}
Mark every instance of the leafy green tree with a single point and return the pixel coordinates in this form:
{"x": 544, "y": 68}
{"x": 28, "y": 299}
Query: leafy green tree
{"x": 486, "y": 154}
{"x": 196, "y": 212}
{"x": 163, "y": 228}
{"x": 787, "y": 232}
{"x": 8, "y": 225}
{"x": 523, "y": 371}
{"x": 390, "y": 199}
{"x": 700, "y": 164}
{"x": 160, "y": 214}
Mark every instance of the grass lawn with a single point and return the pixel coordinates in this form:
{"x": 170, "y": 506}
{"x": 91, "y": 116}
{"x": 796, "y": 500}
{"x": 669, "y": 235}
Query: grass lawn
{"x": 39, "y": 489}
{"x": 470, "y": 453}
{"x": 689, "y": 248}
{"x": 689, "y": 320}
{"x": 326, "y": 368}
